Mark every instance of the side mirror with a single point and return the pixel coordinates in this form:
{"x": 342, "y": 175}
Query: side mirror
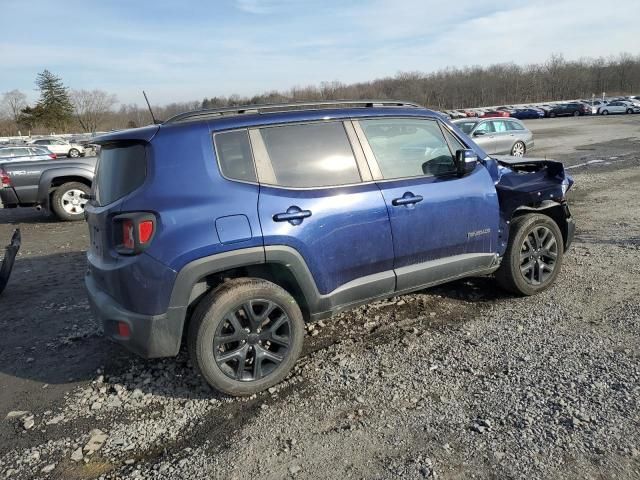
{"x": 465, "y": 162}
{"x": 479, "y": 133}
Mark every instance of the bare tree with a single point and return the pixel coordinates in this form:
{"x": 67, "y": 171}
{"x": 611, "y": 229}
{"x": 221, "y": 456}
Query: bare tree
{"x": 13, "y": 102}
{"x": 91, "y": 107}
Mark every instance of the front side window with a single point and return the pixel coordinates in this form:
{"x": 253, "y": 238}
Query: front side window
{"x": 234, "y": 155}
{"x": 308, "y": 155}
{"x": 466, "y": 127}
{"x": 486, "y": 127}
{"x": 408, "y": 147}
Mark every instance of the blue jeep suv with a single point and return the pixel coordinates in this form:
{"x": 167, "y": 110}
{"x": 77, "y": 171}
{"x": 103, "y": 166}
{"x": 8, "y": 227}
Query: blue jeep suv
{"x": 230, "y": 228}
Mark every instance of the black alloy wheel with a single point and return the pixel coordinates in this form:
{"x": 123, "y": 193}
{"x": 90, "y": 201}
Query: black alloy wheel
{"x": 538, "y": 255}
{"x": 252, "y": 340}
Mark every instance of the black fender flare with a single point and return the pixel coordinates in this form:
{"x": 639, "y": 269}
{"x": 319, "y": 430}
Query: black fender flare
{"x": 189, "y": 283}
{"x": 558, "y": 211}
{"x": 48, "y": 176}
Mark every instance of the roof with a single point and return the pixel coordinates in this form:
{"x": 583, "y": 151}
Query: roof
{"x": 253, "y": 115}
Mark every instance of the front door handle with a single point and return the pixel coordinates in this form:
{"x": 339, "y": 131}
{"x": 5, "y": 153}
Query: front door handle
{"x": 406, "y": 199}
{"x": 294, "y": 215}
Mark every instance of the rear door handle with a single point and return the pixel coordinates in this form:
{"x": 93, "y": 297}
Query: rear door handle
{"x": 294, "y": 215}
{"x": 406, "y": 199}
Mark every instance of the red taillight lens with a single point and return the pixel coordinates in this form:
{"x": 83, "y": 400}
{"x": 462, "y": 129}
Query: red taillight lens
{"x": 127, "y": 234}
{"x": 53, "y": 156}
{"x": 133, "y": 232}
{"x": 5, "y": 181}
{"x": 145, "y": 231}
{"x": 124, "y": 330}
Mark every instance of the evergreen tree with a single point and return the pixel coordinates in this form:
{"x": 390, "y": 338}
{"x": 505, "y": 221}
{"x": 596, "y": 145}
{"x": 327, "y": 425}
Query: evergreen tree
{"x": 54, "y": 109}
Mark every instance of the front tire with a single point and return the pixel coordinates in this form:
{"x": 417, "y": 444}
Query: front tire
{"x": 67, "y": 203}
{"x": 74, "y": 153}
{"x": 245, "y": 336}
{"x": 629, "y": 110}
{"x": 534, "y": 255}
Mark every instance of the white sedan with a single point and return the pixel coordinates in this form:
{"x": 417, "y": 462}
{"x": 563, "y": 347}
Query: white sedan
{"x": 619, "y": 106}
{"x": 60, "y": 147}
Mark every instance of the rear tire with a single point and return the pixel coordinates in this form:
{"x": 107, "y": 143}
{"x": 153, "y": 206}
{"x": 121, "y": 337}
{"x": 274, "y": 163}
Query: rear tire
{"x": 66, "y": 202}
{"x": 534, "y": 255}
{"x": 74, "y": 153}
{"x": 518, "y": 149}
{"x": 225, "y": 341}
{"x": 576, "y": 113}
{"x": 605, "y": 112}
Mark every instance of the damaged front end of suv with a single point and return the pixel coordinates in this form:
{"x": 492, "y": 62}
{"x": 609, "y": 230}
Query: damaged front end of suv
{"x": 533, "y": 186}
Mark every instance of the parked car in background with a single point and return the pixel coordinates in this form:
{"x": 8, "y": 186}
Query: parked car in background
{"x": 454, "y": 114}
{"x": 526, "y": 113}
{"x": 495, "y": 113}
{"x": 24, "y": 154}
{"x": 60, "y": 147}
{"x": 596, "y": 105}
{"x": 58, "y": 186}
{"x": 567, "y": 109}
{"x": 618, "y": 107}
{"x": 498, "y": 136}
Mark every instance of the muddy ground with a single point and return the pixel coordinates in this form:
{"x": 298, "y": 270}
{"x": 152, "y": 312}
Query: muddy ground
{"x": 460, "y": 381}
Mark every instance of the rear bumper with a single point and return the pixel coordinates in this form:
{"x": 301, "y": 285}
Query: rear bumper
{"x": 8, "y": 196}
{"x": 151, "y": 336}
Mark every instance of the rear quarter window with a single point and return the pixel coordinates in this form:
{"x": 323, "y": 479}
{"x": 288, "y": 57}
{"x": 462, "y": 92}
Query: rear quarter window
{"x": 121, "y": 169}
{"x": 233, "y": 150}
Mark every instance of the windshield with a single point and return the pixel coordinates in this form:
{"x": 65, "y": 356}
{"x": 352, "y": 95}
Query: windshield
{"x": 466, "y": 127}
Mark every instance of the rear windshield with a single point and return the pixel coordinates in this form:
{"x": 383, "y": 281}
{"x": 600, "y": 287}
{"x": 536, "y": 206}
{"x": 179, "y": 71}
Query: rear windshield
{"x": 121, "y": 169}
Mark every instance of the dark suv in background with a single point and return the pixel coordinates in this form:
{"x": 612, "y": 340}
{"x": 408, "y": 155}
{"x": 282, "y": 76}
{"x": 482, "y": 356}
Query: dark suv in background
{"x": 565, "y": 109}
{"x": 235, "y": 226}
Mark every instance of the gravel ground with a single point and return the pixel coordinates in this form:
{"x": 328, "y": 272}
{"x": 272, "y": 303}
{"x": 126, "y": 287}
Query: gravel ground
{"x": 460, "y": 381}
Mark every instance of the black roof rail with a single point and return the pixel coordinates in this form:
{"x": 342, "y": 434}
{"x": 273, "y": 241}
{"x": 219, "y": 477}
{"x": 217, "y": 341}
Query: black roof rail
{"x": 284, "y": 107}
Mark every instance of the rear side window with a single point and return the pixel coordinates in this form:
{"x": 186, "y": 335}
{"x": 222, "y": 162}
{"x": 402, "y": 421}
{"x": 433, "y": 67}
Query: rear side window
{"x": 121, "y": 169}
{"x": 309, "y": 155}
{"x": 514, "y": 126}
{"x": 234, "y": 155}
{"x": 500, "y": 126}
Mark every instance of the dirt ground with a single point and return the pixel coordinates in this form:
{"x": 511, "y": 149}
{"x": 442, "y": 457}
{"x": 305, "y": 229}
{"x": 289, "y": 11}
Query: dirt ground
{"x": 460, "y": 381}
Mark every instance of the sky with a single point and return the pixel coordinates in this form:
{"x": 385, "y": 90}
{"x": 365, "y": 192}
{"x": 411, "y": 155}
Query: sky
{"x": 186, "y": 50}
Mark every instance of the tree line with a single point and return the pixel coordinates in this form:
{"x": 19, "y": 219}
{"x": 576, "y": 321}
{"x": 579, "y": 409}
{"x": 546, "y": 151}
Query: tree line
{"x": 60, "y": 109}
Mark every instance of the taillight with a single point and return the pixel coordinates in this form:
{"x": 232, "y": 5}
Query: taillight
{"x": 133, "y": 232}
{"x": 5, "y": 181}
{"x": 145, "y": 231}
{"x": 53, "y": 156}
